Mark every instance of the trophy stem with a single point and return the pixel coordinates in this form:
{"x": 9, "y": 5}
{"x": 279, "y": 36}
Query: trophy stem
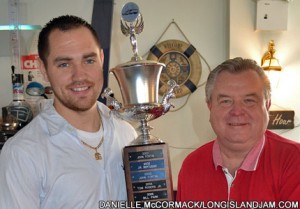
{"x": 145, "y": 137}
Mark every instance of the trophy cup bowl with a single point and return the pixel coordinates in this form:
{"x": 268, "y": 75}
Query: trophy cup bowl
{"x": 138, "y": 82}
{"x": 139, "y": 85}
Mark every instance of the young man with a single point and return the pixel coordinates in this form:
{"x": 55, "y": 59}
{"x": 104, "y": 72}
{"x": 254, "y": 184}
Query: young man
{"x": 245, "y": 162}
{"x": 70, "y": 155}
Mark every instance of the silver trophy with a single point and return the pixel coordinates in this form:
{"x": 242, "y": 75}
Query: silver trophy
{"x": 139, "y": 82}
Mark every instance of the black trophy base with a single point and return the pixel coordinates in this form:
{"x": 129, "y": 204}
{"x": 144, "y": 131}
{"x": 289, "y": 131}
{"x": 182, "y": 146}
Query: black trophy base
{"x": 148, "y": 173}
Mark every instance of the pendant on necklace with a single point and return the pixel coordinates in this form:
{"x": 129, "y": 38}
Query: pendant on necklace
{"x": 98, "y": 156}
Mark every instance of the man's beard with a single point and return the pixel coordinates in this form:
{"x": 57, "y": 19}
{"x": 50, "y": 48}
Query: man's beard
{"x": 79, "y": 104}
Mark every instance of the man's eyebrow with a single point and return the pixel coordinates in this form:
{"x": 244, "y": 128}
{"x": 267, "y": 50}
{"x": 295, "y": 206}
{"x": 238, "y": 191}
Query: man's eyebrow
{"x": 222, "y": 96}
{"x": 252, "y": 95}
{"x": 59, "y": 59}
{"x": 247, "y": 95}
{"x": 63, "y": 58}
{"x": 92, "y": 54}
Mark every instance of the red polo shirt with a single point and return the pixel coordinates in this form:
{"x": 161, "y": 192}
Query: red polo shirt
{"x": 274, "y": 175}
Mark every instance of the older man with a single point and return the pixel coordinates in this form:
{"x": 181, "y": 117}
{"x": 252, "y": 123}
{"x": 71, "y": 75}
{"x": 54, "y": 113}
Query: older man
{"x": 245, "y": 162}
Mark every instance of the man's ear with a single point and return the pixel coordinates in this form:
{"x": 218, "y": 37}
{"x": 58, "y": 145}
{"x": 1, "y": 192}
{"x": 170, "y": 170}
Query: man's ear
{"x": 102, "y": 56}
{"x": 268, "y": 104}
{"x": 208, "y": 103}
{"x": 43, "y": 70}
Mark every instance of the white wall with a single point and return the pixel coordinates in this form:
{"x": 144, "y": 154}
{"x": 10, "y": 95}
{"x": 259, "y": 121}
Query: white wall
{"x": 206, "y": 25}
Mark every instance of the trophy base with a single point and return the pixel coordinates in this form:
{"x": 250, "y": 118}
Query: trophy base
{"x": 148, "y": 173}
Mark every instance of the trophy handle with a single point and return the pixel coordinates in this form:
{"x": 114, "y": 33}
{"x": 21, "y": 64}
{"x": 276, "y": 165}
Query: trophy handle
{"x": 168, "y": 95}
{"x": 111, "y": 101}
{"x": 145, "y": 137}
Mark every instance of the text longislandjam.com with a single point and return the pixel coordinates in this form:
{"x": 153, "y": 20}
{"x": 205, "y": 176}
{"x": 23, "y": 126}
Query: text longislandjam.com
{"x": 199, "y": 204}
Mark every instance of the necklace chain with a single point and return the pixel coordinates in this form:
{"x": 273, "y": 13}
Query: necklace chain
{"x": 98, "y": 156}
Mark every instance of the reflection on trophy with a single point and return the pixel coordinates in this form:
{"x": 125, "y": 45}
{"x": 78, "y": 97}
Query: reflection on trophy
{"x": 146, "y": 159}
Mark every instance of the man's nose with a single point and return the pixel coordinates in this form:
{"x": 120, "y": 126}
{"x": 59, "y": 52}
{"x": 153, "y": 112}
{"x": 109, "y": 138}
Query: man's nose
{"x": 79, "y": 72}
{"x": 237, "y": 108}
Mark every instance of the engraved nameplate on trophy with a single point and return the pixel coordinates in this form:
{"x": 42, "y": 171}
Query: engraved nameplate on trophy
{"x": 146, "y": 159}
{"x": 148, "y": 173}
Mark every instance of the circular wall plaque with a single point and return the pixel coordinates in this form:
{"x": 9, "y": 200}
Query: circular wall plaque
{"x": 182, "y": 65}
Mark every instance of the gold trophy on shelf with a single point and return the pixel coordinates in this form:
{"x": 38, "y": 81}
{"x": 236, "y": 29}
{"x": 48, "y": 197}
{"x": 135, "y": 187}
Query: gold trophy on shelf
{"x": 146, "y": 159}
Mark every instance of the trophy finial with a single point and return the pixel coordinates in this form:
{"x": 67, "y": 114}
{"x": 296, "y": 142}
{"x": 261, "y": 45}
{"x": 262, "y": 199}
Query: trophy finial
{"x": 131, "y": 14}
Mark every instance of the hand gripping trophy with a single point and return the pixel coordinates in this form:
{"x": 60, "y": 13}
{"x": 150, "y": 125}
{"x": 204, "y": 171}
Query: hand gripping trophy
{"x": 146, "y": 159}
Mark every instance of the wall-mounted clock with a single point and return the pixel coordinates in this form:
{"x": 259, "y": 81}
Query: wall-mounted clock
{"x": 182, "y": 65}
